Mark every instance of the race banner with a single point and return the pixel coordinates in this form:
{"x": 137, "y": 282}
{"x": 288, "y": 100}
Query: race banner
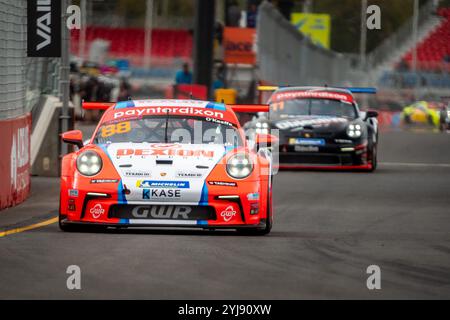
{"x": 15, "y": 161}
{"x": 44, "y": 28}
{"x": 239, "y": 45}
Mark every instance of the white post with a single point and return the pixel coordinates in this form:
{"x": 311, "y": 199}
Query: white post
{"x": 65, "y": 74}
{"x": 307, "y": 6}
{"x": 148, "y": 33}
{"x": 82, "y": 37}
{"x": 415, "y": 39}
{"x": 414, "y": 31}
{"x": 363, "y": 37}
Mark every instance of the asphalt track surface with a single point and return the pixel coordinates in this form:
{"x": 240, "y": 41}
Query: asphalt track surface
{"x": 329, "y": 227}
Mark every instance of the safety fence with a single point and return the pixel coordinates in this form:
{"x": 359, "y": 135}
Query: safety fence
{"x": 23, "y": 81}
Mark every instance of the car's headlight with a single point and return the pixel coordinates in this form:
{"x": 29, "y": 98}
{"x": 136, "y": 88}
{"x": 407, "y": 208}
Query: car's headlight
{"x": 354, "y": 130}
{"x": 239, "y": 166}
{"x": 262, "y": 127}
{"x": 89, "y": 163}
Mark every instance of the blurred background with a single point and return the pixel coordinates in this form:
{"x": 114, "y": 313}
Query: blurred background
{"x": 136, "y": 47}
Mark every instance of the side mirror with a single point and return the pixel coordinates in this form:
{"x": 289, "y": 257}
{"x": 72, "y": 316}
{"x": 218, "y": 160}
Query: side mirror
{"x": 266, "y": 140}
{"x": 73, "y": 137}
{"x": 371, "y": 114}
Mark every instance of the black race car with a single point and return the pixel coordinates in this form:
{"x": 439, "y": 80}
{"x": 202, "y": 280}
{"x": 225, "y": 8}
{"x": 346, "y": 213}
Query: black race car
{"x": 321, "y": 127}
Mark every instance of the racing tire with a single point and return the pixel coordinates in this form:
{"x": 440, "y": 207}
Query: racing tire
{"x": 373, "y": 156}
{"x": 407, "y": 119}
{"x": 67, "y": 227}
{"x": 430, "y": 120}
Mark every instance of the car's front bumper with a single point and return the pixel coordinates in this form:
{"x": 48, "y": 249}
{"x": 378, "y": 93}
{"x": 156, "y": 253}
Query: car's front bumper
{"x": 239, "y": 205}
{"x": 153, "y": 223}
{"x": 330, "y": 156}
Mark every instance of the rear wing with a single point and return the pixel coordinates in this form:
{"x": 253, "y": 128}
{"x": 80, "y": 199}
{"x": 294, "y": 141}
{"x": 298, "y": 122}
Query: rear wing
{"x": 367, "y": 90}
{"x": 238, "y": 108}
{"x": 245, "y": 112}
{"x": 249, "y": 108}
{"x": 97, "y": 105}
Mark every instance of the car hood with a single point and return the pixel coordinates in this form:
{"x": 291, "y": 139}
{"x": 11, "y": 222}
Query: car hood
{"x": 145, "y": 167}
{"x": 315, "y": 123}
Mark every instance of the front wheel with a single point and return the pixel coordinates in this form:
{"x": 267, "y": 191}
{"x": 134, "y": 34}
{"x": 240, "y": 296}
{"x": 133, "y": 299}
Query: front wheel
{"x": 373, "y": 157}
{"x": 65, "y": 226}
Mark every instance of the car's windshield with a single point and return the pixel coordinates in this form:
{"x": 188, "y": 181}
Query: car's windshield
{"x": 318, "y": 107}
{"x": 173, "y": 129}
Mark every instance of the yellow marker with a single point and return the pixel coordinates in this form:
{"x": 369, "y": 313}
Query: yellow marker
{"x": 267, "y": 88}
{"x": 30, "y": 227}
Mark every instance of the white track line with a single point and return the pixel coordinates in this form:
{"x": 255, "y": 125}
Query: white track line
{"x": 417, "y": 164}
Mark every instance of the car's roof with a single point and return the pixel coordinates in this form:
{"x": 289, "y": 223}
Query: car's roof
{"x": 332, "y": 93}
{"x": 314, "y": 88}
{"x": 170, "y": 103}
{"x": 177, "y": 107}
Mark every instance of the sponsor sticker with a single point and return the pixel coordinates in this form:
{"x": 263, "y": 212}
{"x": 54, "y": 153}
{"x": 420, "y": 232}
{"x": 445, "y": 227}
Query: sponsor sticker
{"x": 300, "y": 123}
{"x": 97, "y": 211}
{"x": 73, "y": 193}
{"x": 306, "y": 148}
{"x": 161, "y": 212}
{"x": 104, "y": 180}
{"x": 136, "y": 173}
{"x": 307, "y": 142}
{"x": 116, "y": 128}
{"x": 192, "y": 111}
{"x": 162, "y": 184}
{"x": 148, "y": 194}
{"x": 253, "y": 196}
{"x": 189, "y": 174}
{"x": 228, "y": 213}
{"x": 223, "y": 183}
{"x": 311, "y": 94}
{"x": 164, "y": 151}
{"x": 226, "y": 123}
{"x": 343, "y": 141}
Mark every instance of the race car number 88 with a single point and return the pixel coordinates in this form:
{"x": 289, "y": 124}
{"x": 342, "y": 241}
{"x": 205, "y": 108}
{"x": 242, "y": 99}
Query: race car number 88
{"x": 112, "y": 129}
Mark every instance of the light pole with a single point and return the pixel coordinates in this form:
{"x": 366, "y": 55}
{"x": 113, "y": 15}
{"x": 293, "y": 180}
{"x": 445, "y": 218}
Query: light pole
{"x": 363, "y": 36}
{"x": 64, "y": 74}
{"x": 415, "y": 38}
{"x": 82, "y": 38}
{"x": 148, "y": 33}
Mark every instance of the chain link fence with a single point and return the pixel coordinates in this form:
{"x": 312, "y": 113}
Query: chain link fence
{"x": 286, "y": 57}
{"x": 22, "y": 80}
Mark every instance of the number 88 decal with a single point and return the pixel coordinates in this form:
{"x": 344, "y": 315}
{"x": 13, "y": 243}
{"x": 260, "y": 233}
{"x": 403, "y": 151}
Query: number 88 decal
{"x": 119, "y": 128}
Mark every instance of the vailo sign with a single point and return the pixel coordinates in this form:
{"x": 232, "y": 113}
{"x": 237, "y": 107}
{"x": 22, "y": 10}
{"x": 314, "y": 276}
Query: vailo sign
{"x": 239, "y": 45}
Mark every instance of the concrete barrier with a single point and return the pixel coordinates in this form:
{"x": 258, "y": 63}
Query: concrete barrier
{"x": 14, "y": 160}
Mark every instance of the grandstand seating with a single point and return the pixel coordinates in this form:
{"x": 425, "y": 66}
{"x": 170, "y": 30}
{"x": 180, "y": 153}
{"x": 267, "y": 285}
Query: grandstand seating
{"x": 434, "y": 48}
{"x": 129, "y": 42}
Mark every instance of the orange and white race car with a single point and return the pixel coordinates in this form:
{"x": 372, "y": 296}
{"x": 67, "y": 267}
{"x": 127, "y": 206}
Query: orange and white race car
{"x": 167, "y": 163}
